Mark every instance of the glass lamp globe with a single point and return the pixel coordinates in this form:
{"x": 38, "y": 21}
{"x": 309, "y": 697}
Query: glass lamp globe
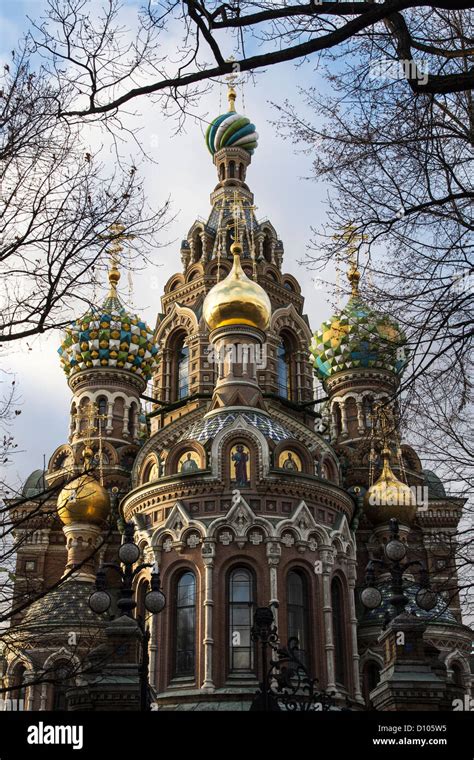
{"x": 99, "y": 602}
{"x": 155, "y": 601}
{"x": 129, "y": 553}
{"x": 371, "y": 598}
{"x": 395, "y": 550}
{"x": 426, "y": 599}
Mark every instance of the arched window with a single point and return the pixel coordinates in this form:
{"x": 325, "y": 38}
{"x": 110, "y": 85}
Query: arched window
{"x": 241, "y": 600}
{"x": 370, "y": 679}
{"x": 131, "y": 419}
{"x": 231, "y": 169}
{"x": 338, "y": 630}
{"x": 140, "y": 609}
{"x": 241, "y": 172}
{"x": 18, "y": 694}
{"x": 297, "y": 611}
{"x": 285, "y": 369}
{"x": 102, "y": 406}
{"x": 185, "y": 625}
{"x": 352, "y": 417}
{"x": 61, "y": 683}
{"x": 222, "y": 172}
{"x": 179, "y": 368}
{"x": 457, "y": 674}
{"x": 267, "y": 248}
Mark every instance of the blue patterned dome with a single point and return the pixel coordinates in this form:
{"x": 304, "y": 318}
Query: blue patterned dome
{"x": 109, "y": 336}
{"x": 358, "y": 337}
{"x": 231, "y": 129}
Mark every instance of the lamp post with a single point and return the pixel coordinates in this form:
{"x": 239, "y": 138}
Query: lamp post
{"x": 395, "y": 552}
{"x": 264, "y": 631}
{"x": 155, "y": 601}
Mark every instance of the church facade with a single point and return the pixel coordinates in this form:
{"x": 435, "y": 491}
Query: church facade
{"x": 244, "y": 490}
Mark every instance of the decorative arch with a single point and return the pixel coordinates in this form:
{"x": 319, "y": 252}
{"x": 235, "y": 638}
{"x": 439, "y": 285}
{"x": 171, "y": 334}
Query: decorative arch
{"x": 174, "y": 283}
{"x": 240, "y": 429}
{"x": 297, "y": 447}
{"x": 291, "y": 283}
{"x": 178, "y": 450}
{"x": 195, "y": 270}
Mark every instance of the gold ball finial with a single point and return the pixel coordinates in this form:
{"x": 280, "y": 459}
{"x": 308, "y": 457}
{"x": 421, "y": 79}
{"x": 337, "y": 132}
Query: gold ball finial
{"x": 353, "y": 276}
{"x": 236, "y": 248}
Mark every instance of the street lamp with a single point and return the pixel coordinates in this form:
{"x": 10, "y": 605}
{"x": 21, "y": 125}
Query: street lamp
{"x": 155, "y": 601}
{"x": 395, "y": 552}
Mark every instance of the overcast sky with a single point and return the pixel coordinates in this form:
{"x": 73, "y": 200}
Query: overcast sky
{"x": 186, "y": 174}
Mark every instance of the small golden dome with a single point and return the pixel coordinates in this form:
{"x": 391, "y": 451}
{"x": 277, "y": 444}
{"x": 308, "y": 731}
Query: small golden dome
{"x": 237, "y": 300}
{"x": 83, "y": 499}
{"x": 389, "y": 497}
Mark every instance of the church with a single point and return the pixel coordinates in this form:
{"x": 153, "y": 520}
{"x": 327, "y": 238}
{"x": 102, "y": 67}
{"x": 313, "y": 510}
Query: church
{"x": 245, "y": 488}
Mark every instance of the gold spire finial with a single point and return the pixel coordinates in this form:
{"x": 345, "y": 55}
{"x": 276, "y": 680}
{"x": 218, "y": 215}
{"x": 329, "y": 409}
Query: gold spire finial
{"x": 353, "y": 276}
{"x": 352, "y": 240}
{"x": 231, "y": 79}
{"x": 116, "y": 236}
{"x": 231, "y": 96}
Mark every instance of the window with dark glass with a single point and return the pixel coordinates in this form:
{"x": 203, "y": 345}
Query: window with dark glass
{"x": 61, "y": 684}
{"x": 18, "y": 694}
{"x": 338, "y": 623}
{"x": 284, "y": 375}
{"x": 183, "y": 371}
{"x": 102, "y": 405}
{"x": 185, "y": 625}
{"x": 297, "y": 610}
{"x": 241, "y": 647}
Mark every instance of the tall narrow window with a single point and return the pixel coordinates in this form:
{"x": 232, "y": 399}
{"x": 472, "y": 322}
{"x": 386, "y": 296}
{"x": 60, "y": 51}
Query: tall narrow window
{"x": 131, "y": 419}
{"x": 183, "y": 371}
{"x": 18, "y": 694}
{"x": 102, "y": 405}
{"x": 370, "y": 679}
{"x": 185, "y": 625}
{"x": 241, "y": 649}
{"x": 62, "y": 682}
{"x": 284, "y": 373}
{"x": 338, "y": 629}
{"x": 297, "y": 610}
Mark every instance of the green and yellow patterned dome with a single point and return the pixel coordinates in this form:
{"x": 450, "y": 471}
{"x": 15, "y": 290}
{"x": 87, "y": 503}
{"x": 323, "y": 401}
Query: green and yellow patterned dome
{"x": 358, "y": 337}
{"x": 109, "y": 336}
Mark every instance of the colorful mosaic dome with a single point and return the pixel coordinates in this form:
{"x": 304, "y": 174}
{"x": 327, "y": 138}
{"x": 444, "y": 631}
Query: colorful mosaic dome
{"x": 231, "y": 129}
{"x": 109, "y": 336}
{"x": 358, "y": 337}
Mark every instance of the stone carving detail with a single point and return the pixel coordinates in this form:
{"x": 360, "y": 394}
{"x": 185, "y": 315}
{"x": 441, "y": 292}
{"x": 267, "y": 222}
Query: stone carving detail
{"x": 167, "y": 544}
{"x": 226, "y": 537}
{"x": 255, "y": 537}
{"x": 193, "y": 540}
{"x": 288, "y": 539}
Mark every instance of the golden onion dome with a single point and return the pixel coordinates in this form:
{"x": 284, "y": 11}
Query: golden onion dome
{"x": 237, "y": 300}
{"x": 389, "y": 497}
{"x": 84, "y": 499}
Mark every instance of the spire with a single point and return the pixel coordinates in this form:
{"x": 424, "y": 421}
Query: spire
{"x": 231, "y": 96}
{"x": 352, "y": 239}
{"x": 116, "y": 236}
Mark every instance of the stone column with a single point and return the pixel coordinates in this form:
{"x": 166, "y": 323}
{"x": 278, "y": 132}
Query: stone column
{"x": 351, "y": 579}
{"x": 110, "y": 417}
{"x": 328, "y": 560}
{"x": 208, "y": 551}
{"x": 360, "y": 417}
{"x": 342, "y": 407}
{"x": 125, "y": 431}
{"x": 154, "y": 629}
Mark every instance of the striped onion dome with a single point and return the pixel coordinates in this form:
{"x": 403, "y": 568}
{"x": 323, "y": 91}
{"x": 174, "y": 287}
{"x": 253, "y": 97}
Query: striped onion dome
{"x": 231, "y": 129}
{"x": 109, "y": 336}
